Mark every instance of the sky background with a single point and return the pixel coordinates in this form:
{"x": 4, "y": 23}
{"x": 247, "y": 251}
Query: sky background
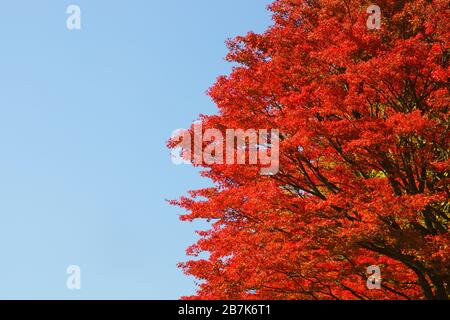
{"x": 84, "y": 118}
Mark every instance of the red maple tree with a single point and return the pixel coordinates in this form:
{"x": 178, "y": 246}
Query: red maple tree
{"x": 364, "y": 157}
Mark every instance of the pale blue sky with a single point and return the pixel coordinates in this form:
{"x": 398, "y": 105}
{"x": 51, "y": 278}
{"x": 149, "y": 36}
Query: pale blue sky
{"x": 84, "y": 117}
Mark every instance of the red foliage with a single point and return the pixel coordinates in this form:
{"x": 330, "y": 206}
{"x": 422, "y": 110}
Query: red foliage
{"x": 364, "y": 157}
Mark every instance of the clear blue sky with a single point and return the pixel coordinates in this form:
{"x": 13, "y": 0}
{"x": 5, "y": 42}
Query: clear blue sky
{"x": 84, "y": 117}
